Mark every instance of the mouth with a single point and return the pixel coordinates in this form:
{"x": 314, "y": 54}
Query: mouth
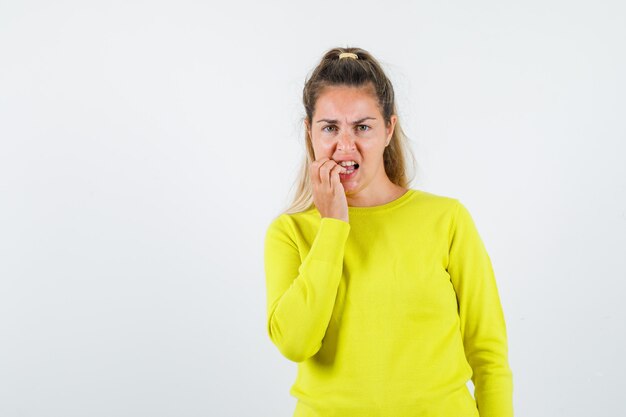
{"x": 348, "y": 164}
{"x": 351, "y": 171}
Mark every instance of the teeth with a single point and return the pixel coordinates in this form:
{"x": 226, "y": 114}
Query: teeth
{"x": 347, "y": 163}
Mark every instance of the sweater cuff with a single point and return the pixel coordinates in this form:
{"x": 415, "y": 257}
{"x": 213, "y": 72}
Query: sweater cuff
{"x": 330, "y": 241}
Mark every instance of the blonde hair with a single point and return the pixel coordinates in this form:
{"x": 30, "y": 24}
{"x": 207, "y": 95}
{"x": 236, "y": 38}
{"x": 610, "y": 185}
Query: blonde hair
{"x": 362, "y": 72}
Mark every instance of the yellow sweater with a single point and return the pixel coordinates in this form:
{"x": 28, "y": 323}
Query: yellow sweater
{"x": 388, "y": 315}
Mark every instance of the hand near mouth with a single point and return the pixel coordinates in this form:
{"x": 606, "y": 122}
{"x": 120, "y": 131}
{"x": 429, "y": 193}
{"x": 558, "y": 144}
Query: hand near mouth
{"x": 328, "y": 193}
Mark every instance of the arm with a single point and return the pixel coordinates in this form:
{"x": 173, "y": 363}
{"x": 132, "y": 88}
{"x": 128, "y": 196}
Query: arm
{"x": 482, "y": 320}
{"x": 301, "y": 294}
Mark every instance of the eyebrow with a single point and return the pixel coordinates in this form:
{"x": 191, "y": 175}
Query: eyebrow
{"x": 354, "y": 123}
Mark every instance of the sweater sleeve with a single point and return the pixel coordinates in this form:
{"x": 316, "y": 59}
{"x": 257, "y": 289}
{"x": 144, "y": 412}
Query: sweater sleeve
{"x": 482, "y": 320}
{"x": 301, "y": 293}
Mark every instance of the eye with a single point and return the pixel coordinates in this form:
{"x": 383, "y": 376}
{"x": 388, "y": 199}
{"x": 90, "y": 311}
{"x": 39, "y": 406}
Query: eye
{"x": 325, "y": 127}
{"x": 364, "y": 130}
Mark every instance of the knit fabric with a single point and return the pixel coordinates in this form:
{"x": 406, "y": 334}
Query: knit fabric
{"x": 389, "y": 314}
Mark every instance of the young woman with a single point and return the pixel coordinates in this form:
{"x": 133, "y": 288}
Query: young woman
{"x": 383, "y": 294}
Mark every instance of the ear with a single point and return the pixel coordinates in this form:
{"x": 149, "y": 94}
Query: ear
{"x": 391, "y": 127}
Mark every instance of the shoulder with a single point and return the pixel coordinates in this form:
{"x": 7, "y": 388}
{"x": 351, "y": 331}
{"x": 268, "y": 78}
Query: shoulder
{"x": 289, "y": 223}
{"x": 279, "y": 223}
{"x": 437, "y": 203}
{"x": 448, "y": 211}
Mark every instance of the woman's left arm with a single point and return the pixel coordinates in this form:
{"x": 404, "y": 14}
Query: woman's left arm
{"x": 483, "y": 326}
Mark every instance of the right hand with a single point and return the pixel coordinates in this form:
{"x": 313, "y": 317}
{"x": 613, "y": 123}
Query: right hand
{"x": 328, "y": 192}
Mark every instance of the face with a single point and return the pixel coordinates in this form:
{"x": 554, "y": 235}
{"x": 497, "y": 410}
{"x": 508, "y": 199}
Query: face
{"x": 348, "y": 125}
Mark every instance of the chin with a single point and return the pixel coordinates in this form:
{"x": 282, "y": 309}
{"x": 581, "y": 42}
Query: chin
{"x": 350, "y": 188}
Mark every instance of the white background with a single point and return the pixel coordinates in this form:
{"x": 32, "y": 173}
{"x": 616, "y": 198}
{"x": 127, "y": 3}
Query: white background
{"x": 145, "y": 146}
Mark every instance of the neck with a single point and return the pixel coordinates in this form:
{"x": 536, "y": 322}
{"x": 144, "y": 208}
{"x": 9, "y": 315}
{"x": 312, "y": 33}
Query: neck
{"x": 376, "y": 194}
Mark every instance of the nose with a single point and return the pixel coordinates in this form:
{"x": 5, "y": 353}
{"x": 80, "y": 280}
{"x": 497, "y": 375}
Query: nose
{"x": 345, "y": 141}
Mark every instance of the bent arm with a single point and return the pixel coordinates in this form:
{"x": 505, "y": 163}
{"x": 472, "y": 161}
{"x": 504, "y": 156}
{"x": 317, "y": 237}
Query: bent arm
{"x": 482, "y": 320}
{"x": 301, "y": 293}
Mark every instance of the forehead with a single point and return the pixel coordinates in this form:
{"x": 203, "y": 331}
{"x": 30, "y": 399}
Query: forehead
{"x": 347, "y": 101}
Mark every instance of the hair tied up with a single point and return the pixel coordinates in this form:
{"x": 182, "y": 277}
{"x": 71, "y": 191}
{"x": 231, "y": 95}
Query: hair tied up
{"x": 348, "y": 55}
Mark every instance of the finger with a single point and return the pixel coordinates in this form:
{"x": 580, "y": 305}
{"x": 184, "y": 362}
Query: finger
{"x": 325, "y": 172}
{"x": 314, "y": 170}
{"x": 337, "y": 169}
{"x": 335, "y": 179}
